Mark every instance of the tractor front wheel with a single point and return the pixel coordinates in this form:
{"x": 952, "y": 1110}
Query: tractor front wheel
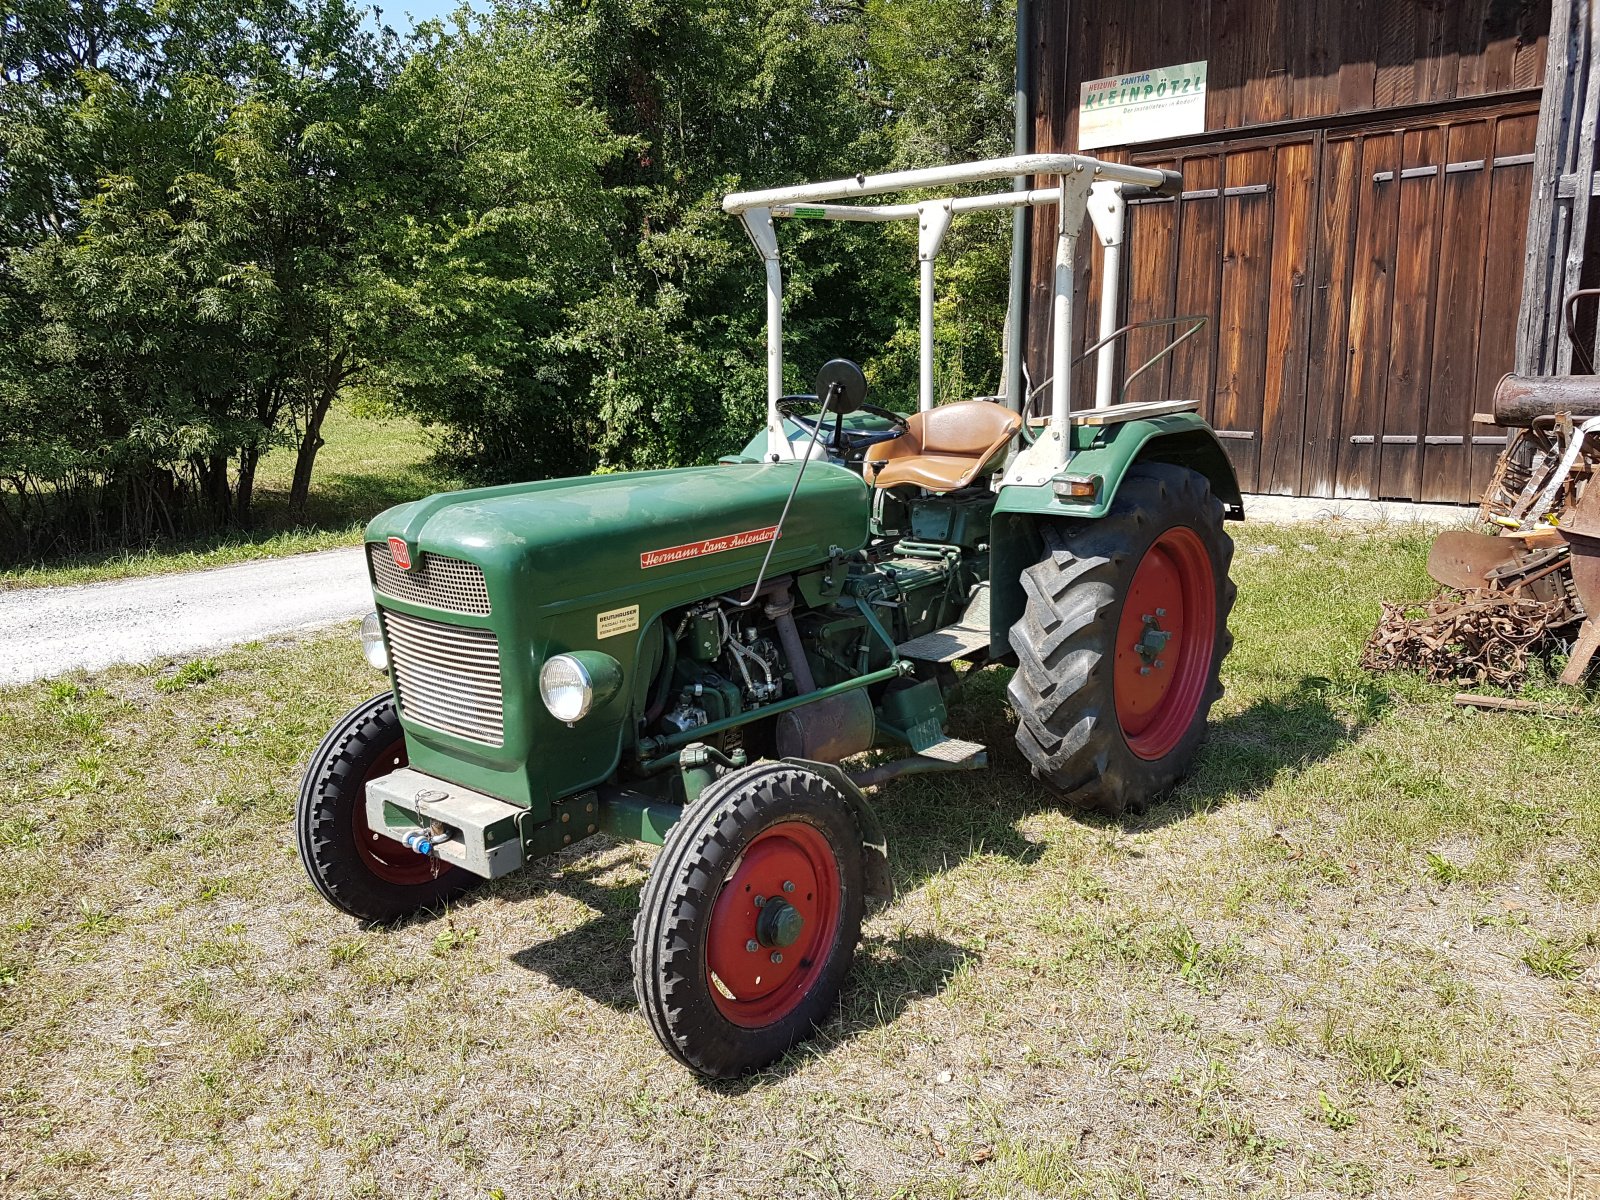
{"x": 356, "y": 869}
{"x": 750, "y": 918}
{"x": 1121, "y": 644}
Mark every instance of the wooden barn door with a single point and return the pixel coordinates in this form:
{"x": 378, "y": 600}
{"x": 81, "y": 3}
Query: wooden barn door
{"x": 1422, "y": 232}
{"x": 1363, "y": 286}
{"x": 1236, "y": 247}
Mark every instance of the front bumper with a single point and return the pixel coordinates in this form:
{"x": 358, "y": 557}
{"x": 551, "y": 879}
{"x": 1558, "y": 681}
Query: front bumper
{"x": 467, "y": 829}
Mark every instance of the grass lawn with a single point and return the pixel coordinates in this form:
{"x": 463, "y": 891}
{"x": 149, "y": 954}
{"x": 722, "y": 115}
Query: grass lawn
{"x": 369, "y": 463}
{"x": 1354, "y": 955}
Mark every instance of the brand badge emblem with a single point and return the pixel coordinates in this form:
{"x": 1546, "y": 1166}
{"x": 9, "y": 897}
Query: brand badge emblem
{"x": 716, "y": 545}
{"x": 398, "y": 552}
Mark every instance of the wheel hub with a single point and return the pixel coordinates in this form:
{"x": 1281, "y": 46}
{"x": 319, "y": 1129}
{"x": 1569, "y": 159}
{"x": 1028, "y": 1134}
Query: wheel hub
{"x": 1153, "y": 642}
{"x": 779, "y": 924}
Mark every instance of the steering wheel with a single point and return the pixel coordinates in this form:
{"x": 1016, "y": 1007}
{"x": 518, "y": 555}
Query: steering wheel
{"x": 851, "y": 445}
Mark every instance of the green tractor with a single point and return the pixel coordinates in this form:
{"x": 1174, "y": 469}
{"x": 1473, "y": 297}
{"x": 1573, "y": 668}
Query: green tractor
{"x": 689, "y": 657}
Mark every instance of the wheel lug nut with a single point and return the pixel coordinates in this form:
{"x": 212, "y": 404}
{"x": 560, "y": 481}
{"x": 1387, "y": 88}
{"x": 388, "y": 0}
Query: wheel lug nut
{"x": 1159, "y": 663}
{"x": 760, "y": 901}
{"x": 1144, "y": 670}
{"x": 788, "y": 885}
{"x": 752, "y": 945}
{"x": 1161, "y": 612}
{"x": 777, "y": 957}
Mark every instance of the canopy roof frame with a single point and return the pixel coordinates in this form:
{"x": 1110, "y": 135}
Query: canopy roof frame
{"x": 1087, "y": 189}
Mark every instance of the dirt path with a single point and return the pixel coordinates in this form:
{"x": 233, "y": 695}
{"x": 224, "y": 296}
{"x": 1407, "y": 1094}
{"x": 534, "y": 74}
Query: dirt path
{"x": 48, "y": 631}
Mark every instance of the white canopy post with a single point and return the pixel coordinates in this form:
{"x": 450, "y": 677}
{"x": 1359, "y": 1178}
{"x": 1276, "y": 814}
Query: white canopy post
{"x": 1109, "y": 212}
{"x": 933, "y": 224}
{"x": 758, "y": 224}
{"x": 1074, "y": 199}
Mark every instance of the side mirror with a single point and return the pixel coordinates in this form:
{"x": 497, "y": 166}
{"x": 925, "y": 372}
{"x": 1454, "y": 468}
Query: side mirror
{"x": 841, "y": 385}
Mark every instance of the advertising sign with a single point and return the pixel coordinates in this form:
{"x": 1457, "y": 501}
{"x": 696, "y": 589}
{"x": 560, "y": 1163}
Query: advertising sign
{"x": 1144, "y": 106}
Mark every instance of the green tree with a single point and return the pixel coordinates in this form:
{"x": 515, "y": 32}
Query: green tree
{"x": 716, "y": 95}
{"x": 485, "y": 228}
{"x": 942, "y": 72}
{"x": 178, "y": 241}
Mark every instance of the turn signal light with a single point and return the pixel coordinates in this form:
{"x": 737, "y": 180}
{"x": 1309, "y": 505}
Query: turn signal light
{"x": 1078, "y": 487}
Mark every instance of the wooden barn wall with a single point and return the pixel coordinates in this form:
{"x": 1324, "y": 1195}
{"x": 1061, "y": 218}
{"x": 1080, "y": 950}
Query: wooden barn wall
{"x": 1362, "y": 285}
{"x": 1352, "y": 226}
{"x": 1289, "y": 60}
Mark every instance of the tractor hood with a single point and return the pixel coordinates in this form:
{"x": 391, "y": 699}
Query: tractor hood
{"x": 569, "y": 565}
{"x": 585, "y": 539}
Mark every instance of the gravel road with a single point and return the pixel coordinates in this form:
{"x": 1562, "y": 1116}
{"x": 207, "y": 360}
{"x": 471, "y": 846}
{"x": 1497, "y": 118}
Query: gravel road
{"x": 48, "y": 631}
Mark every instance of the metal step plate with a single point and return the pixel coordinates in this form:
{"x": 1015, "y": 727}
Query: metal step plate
{"x": 952, "y": 750}
{"x": 966, "y": 636}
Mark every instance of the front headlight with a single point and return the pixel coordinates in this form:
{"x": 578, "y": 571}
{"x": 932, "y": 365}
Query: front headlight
{"x": 572, "y": 684}
{"x": 566, "y": 688}
{"x": 372, "y": 647}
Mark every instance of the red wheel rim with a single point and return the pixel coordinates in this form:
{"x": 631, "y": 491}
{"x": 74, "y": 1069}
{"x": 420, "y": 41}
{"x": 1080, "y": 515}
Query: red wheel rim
{"x": 790, "y": 865}
{"x": 1165, "y": 640}
{"x": 389, "y": 860}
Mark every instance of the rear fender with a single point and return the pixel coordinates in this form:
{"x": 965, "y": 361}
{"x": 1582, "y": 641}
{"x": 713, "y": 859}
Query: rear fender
{"x": 1105, "y": 452}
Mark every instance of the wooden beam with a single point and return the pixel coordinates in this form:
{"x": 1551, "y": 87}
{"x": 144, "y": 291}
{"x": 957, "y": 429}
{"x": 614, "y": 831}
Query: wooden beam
{"x": 1554, "y": 155}
{"x": 1578, "y": 222}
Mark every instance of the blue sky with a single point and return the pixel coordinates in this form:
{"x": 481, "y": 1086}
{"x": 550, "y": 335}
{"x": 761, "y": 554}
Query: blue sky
{"x": 404, "y": 14}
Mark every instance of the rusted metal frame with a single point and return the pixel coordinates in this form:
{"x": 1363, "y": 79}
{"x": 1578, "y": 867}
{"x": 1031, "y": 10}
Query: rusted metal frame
{"x": 1580, "y": 526}
{"x": 1152, "y": 323}
{"x": 1507, "y": 579}
{"x": 1563, "y": 470}
{"x": 1123, "y": 331}
{"x": 1569, "y": 318}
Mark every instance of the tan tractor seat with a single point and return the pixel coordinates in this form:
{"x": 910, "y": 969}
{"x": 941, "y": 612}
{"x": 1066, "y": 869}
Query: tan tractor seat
{"x": 945, "y": 448}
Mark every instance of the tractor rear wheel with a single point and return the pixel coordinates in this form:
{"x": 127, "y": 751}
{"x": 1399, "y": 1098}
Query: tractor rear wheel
{"x": 1122, "y": 640}
{"x": 362, "y": 872}
{"x": 750, "y": 918}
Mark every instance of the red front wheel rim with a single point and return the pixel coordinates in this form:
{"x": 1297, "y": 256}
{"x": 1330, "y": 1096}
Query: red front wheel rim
{"x": 757, "y": 977}
{"x": 1165, "y": 641}
{"x": 389, "y": 860}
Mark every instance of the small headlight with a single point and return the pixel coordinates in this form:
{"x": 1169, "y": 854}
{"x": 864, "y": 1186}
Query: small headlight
{"x": 372, "y": 647}
{"x": 566, "y": 688}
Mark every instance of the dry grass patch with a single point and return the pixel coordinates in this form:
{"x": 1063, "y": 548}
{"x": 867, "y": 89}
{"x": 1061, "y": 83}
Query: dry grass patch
{"x": 1354, "y": 955}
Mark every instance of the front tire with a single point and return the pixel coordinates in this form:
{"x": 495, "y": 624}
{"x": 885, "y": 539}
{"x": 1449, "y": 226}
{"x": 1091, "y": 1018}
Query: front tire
{"x": 1120, "y": 647}
{"x": 727, "y": 985}
{"x": 366, "y": 874}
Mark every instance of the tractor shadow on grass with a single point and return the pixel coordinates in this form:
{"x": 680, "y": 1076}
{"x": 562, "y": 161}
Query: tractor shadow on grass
{"x": 935, "y": 821}
{"x": 1247, "y": 751}
{"x": 890, "y": 973}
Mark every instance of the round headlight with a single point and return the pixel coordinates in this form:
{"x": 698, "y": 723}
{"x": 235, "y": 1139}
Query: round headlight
{"x": 372, "y": 647}
{"x": 566, "y": 687}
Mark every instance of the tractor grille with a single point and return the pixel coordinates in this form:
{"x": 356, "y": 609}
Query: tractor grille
{"x": 450, "y": 584}
{"x": 447, "y": 676}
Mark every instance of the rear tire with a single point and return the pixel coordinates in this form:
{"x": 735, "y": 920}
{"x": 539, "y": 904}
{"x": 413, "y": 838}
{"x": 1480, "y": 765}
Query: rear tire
{"x": 726, "y": 987}
{"x": 1111, "y": 698}
{"x": 364, "y": 873}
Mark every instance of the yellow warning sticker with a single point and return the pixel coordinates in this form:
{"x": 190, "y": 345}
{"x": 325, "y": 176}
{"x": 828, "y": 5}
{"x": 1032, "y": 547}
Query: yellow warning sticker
{"x": 618, "y": 620}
